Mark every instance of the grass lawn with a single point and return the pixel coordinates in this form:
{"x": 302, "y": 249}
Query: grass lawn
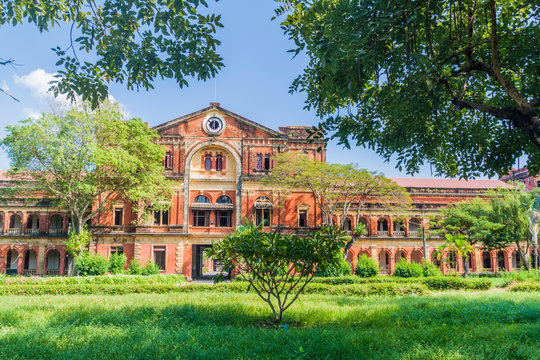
{"x": 227, "y": 325}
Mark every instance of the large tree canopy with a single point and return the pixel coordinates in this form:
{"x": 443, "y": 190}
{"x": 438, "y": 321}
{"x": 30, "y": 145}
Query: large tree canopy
{"x": 130, "y": 42}
{"x": 455, "y": 84}
{"x": 84, "y": 160}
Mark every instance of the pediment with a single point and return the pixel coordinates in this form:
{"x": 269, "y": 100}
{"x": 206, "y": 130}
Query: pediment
{"x": 235, "y": 126}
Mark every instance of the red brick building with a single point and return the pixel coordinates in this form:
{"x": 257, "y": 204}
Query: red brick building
{"x": 216, "y": 160}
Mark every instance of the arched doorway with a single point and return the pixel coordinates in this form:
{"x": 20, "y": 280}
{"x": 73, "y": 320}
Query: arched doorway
{"x": 400, "y": 255}
{"x": 486, "y": 261}
{"x": 501, "y": 261}
{"x": 56, "y": 225}
{"x": 15, "y": 225}
{"x": 416, "y": 257}
{"x": 12, "y": 260}
{"x": 517, "y": 262}
{"x": 32, "y": 225}
{"x": 414, "y": 227}
{"x": 382, "y": 227}
{"x": 30, "y": 258}
{"x": 52, "y": 263}
{"x": 347, "y": 224}
{"x": 384, "y": 262}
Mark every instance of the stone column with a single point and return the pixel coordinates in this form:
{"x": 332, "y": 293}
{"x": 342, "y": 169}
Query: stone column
{"x": 40, "y": 261}
{"x": 179, "y": 257}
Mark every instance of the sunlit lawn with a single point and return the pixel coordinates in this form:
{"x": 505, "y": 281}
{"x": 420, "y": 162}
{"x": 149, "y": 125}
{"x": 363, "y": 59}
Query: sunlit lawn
{"x": 226, "y": 325}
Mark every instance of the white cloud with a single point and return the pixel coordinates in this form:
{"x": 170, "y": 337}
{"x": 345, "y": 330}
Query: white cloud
{"x": 38, "y": 81}
{"x": 31, "y": 113}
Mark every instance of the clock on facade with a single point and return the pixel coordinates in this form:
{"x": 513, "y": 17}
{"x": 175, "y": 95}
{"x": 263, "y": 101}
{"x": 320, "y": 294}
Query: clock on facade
{"x": 213, "y": 125}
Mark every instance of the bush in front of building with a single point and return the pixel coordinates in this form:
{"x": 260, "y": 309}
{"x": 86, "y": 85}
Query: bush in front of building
{"x": 117, "y": 263}
{"x": 151, "y": 268}
{"x": 340, "y": 268}
{"x": 430, "y": 269}
{"x": 366, "y": 267}
{"x": 91, "y": 264}
{"x": 408, "y": 270}
{"x": 135, "y": 267}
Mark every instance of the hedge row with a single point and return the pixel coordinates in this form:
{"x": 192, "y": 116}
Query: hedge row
{"x": 107, "y": 279}
{"x": 390, "y": 289}
{"x": 456, "y": 283}
{"x": 525, "y": 286}
{"x": 431, "y": 283}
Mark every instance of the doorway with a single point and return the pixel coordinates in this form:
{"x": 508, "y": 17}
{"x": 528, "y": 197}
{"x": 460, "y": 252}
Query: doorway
{"x": 204, "y": 267}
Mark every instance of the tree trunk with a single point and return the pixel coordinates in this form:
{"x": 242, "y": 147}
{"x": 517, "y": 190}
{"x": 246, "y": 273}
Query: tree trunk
{"x": 465, "y": 266}
{"x": 522, "y": 255}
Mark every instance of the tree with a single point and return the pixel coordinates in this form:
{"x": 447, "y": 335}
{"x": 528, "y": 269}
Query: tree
{"x": 278, "y": 266}
{"x": 453, "y": 83}
{"x": 460, "y": 246}
{"x": 511, "y": 208}
{"x": 131, "y": 42}
{"x": 84, "y": 160}
{"x": 468, "y": 221}
{"x": 336, "y": 188}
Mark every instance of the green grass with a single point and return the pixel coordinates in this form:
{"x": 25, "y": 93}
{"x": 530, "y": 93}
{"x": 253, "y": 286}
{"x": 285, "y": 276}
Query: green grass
{"x": 211, "y": 325}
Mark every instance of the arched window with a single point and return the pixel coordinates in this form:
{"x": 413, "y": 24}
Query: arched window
{"x": 258, "y": 160}
{"x": 219, "y": 163}
{"x": 435, "y": 259}
{"x": 208, "y": 162}
{"x": 224, "y": 199}
{"x": 202, "y": 199}
{"x": 267, "y": 162}
{"x": 400, "y": 255}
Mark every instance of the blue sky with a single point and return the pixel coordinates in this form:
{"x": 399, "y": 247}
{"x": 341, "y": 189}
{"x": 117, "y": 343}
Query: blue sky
{"x": 254, "y": 83}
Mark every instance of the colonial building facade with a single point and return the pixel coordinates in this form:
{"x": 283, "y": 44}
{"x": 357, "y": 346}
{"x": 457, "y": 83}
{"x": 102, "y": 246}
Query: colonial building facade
{"x": 216, "y": 160}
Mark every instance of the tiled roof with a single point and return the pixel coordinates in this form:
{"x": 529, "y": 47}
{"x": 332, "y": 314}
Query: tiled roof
{"x": 449, "y": 183}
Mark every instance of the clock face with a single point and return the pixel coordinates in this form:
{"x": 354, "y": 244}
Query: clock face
{"x": 213, "y": 126}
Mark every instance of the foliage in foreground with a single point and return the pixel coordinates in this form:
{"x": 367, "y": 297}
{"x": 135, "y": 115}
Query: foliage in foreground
{"x": 194, "y": 325}
{"x": 151, "y": 39}
{"x": 278, "y": 266}
{"x": 452, "y": 84}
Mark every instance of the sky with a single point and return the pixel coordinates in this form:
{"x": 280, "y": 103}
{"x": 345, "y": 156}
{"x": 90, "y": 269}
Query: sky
{"x": 254, "y": 82}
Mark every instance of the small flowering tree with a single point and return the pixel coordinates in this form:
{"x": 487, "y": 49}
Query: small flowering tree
{"x": 278, "y": 266}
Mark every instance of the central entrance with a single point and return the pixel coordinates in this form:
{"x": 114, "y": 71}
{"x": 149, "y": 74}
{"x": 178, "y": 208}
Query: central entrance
{"x": 204, "y": 267}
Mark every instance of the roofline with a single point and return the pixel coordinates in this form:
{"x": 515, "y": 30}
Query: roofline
{"x": 174, "y": 122}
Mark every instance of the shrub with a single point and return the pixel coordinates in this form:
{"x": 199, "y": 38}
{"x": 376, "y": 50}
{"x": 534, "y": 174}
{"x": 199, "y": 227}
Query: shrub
{"x": 117, "y": 263}
{"x": 340, "y": 268}
{"x": 456, "y": 283}
{"x": 366, "y": 267}
{"x": 430, "y": 269}
{"x": 408, "y": 270}
{"x": 151, "y": 268}
{"x": 91, "y": 264}
{"x": 526, "y": 286}
{"x": 135, "y": 267}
